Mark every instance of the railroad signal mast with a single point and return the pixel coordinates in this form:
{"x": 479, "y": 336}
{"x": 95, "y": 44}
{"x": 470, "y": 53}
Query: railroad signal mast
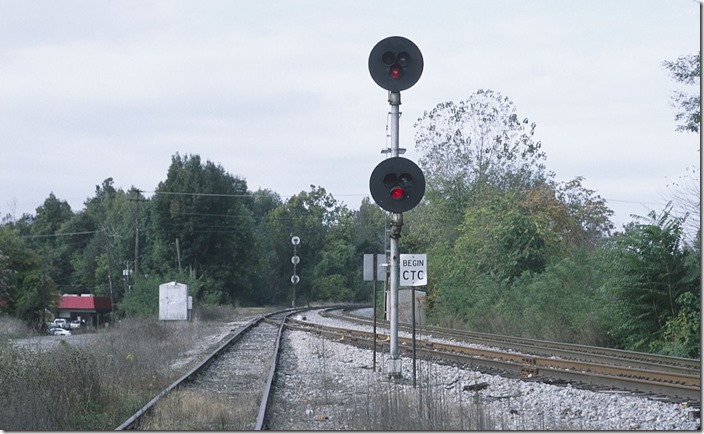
{"x": 397, "y": 184}
{"x": 295, "y": 259}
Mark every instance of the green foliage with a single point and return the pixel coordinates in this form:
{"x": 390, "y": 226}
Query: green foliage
{"x": 332, "y": 287}
{"x": 203, "y": 207}
{"x": 46, "y": 230}
{"x": 318, "y": 219}
{"x": 501, "y": 239}
{"x": 264, "y": 277}
{"x": 211, "y": 297}
{"x": 29, "y": 288}
{"x": 681, "y": 335}
{"x": 651, "y": 275}
{"x": 558, "y": 303}
{"x": 5, "y": 280}
{"x": 143, "y": 299}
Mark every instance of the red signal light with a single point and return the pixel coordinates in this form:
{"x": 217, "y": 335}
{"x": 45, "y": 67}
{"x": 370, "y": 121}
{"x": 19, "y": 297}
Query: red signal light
{"x": 395, "y": 72}
{"x": 397, "y": 193}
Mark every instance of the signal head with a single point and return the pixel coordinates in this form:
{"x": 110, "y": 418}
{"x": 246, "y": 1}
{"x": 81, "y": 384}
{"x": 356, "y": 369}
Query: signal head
{"x": 395, "y": 63}
{"x": 397, "y": 184}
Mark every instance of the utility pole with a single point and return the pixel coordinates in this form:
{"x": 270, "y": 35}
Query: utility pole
{"x": 178, "y": 256}
{"x": 136, "y": 231}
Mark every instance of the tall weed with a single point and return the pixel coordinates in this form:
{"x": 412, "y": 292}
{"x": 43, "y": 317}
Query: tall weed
{"x": 97, "y": 385}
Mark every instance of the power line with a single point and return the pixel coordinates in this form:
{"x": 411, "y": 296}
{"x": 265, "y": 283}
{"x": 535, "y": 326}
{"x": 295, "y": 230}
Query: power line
{"x": 182, "y": 193}
{"x": 64, "y": 234}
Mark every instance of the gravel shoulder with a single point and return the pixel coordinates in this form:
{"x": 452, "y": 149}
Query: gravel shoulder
{"x": 329, "y": 385}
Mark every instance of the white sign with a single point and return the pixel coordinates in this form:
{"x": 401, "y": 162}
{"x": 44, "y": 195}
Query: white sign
{"x": 414, "y": 270}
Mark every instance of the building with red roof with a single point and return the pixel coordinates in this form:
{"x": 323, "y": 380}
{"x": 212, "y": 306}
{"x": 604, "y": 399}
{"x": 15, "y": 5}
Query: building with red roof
{"x": 87, "y": 308}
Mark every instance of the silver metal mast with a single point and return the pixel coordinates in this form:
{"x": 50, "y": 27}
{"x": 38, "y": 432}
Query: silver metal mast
{"x": 396, "y": 223}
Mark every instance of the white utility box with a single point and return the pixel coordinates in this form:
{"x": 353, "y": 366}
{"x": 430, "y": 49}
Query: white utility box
{"x": 173, "y": 301}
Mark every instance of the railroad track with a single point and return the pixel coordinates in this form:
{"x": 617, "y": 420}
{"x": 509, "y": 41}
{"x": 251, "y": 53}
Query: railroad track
{"x": 591, "y": 367}
{"x": 239, "y": 372}
{"x": 542, "y": 347}
{"x": 242, "y": 370}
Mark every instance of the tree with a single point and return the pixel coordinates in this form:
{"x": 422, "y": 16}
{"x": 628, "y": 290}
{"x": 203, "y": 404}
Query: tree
{"x": 501, "y": 238}
{"x": 686, "y": 70}
{"x": 39, "y": 292}
{"x": 575, "y": 216}
{"x": 470, "y": 149}
{"x": 28, "y": 287}
{"x": 99, "y": 241}
{"x": 686, "y": 192}
{"x": 264, "y": 279}
{"x": 50, "y": 216}
{"x": 480, "y": 141}
{"x": 369, "y": 223}
{"x": 332, "y": 279}
{"x": 203, "y": 207}
{"x": 651, "y": 271}
{"x": 312, "y": 216}
{"x": 686, "y": 198}
{"x": 5, "y": 279}
{"x": 46, "y": 231}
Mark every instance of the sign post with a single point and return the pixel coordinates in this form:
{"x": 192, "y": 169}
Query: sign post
{"x": 414, "y": 272}
{"x": 374, "y": 271}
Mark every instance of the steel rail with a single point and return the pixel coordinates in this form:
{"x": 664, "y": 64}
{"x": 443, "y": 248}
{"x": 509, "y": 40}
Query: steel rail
{"x": 131, "y": 422}
{"x": 266, "y": 397}
{"x": 268, "y": 388}
{"x": 603, "y": 355}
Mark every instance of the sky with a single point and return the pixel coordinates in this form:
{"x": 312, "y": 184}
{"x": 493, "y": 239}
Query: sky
{"x": 278, "y": 92}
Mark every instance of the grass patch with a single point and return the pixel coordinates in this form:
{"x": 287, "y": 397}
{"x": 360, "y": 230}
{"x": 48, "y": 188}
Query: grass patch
{"x": 190, "y": 410}
{"x": 96, "y": 385}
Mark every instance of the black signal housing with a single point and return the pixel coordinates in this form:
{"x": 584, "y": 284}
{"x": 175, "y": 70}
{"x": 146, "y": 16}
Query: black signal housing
{"x": 395, "y": 63}
{"x": 397, "y": 184}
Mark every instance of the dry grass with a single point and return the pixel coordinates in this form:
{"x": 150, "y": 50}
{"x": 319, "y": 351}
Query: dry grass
{"x": 191, "y": 410}
{"x": 99, "y": 385}
{"x": 14, "y": 328}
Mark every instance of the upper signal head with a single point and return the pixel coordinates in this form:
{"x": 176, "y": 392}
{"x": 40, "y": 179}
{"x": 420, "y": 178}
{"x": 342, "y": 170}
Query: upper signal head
{"x": 395, "y": 63}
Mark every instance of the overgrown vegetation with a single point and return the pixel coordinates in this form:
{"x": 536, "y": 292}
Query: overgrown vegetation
{"x": 98, "y": 384}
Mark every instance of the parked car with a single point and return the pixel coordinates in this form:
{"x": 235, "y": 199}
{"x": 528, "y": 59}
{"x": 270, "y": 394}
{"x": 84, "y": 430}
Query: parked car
{"x": 75, "y": 324}
{"x": 61, "y": 332}
{"x": 60, "y": 322}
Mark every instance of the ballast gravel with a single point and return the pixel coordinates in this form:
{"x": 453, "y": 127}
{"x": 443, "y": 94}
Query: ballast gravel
{"x": 327, "y": 385}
